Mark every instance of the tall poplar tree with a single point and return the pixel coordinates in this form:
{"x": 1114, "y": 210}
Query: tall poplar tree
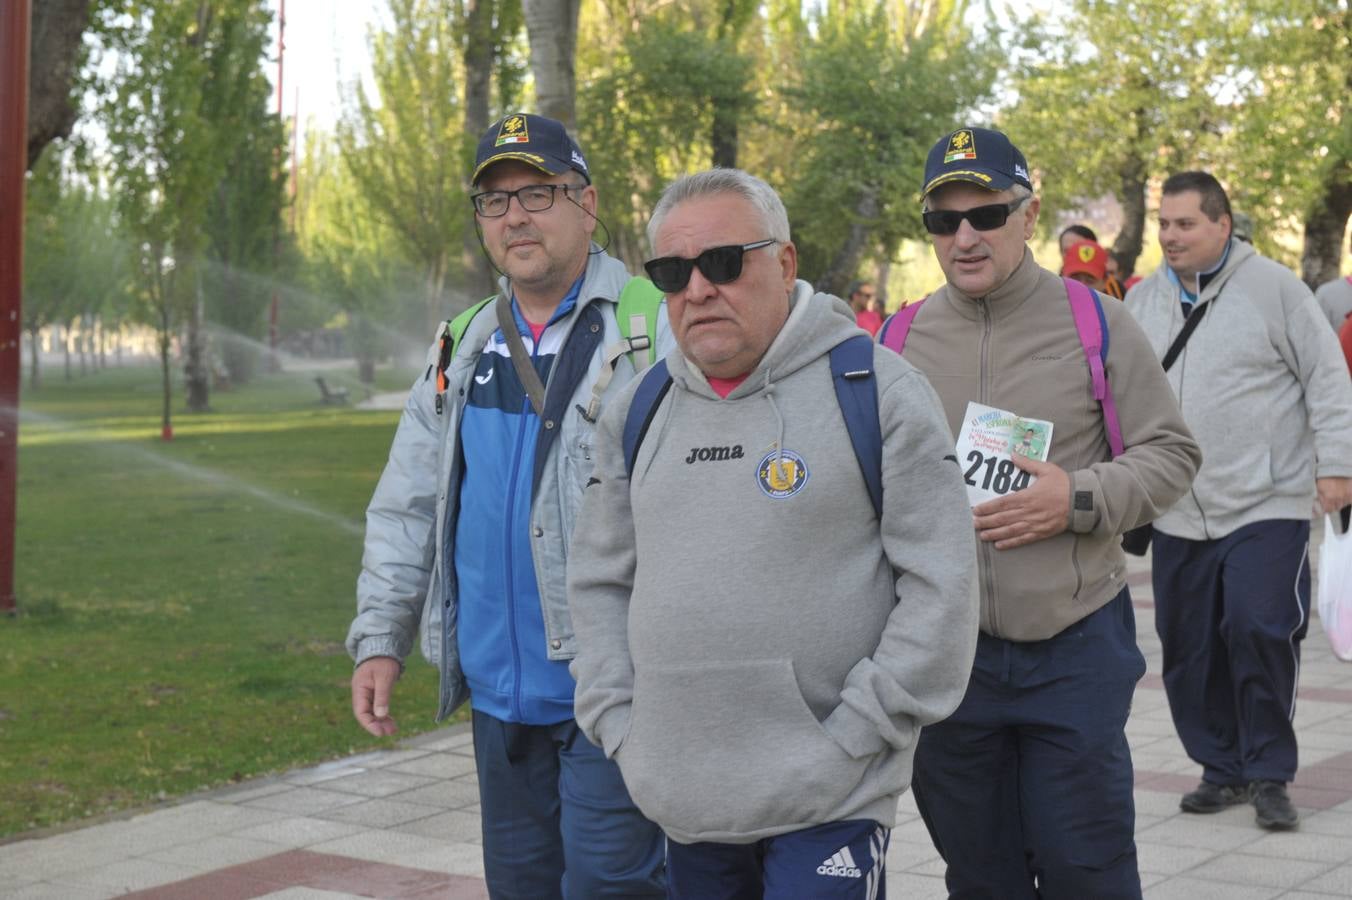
{"x": 184, "y": 81}
{"x": 403, "y": 144}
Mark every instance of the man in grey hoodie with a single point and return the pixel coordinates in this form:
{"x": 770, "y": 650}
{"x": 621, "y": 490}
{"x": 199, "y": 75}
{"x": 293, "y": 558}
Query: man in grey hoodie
{"x": 1264, "y": 387}
{"x": 1335, "y": 298}
{"x": 757, "y": 648}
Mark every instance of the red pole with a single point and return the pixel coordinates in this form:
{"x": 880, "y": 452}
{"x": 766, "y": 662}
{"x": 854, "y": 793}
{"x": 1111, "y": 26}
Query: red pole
{"x": 14, "y": 22}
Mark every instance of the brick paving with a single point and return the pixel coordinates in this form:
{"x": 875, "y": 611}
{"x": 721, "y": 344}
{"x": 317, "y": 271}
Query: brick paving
{"x": 404, "y": 823}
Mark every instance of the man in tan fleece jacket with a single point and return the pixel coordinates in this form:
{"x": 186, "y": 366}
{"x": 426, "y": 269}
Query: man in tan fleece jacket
{"x": 1027, "y": 787}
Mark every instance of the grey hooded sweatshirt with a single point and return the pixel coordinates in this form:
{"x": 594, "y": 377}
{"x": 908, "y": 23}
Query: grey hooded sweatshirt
{"x": 756, "y": 649}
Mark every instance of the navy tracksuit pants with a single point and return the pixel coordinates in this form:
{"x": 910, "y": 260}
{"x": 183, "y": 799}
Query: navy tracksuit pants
{"x": 1027, "y": 788}
{"x": 835, "y": 861}
{"x": 557, "y": 819}
{"x": 1231, "y": 614}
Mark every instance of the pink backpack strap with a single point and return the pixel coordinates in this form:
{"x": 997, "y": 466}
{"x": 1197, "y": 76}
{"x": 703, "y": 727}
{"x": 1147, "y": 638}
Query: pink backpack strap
{"x": 1091, "y": 326}
{"x": 893, "y": 333}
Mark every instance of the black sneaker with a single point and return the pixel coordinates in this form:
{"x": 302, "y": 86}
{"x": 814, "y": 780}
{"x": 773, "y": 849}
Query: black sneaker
{"x": 1274, "y": 808}
{"x": 1211, "y": 798}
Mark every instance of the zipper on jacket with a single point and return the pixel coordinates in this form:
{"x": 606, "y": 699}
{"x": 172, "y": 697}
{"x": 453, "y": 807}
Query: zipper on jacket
{"x": 1192, "y": 488}
{"x": 1182, "y": 372}
{"x": 508, "y": 520}
{"x": 987, "y": 549}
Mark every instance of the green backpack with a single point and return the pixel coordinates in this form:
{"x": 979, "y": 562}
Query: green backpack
{"x": 635, "y": 314}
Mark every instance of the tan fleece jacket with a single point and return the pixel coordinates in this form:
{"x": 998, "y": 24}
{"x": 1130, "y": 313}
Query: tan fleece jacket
{"x": 1017, "y": 349}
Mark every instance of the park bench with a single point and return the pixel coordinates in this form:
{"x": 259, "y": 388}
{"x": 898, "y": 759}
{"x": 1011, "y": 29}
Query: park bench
{"x": 330, "y": 396}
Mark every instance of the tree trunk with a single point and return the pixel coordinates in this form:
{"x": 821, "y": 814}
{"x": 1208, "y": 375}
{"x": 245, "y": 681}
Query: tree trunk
{"x": 65, "y": 349}
{"x": 83, "y": 344}
{"x": 1324, "y": 228}
{"x": 551, "y": 27}
{"x": 435, "y": 283}
{"x": 843, "y": 267}
{"x": 732, "y": 18}
{"x": 478, "y": 90}
{"x": 723, "y": 135}
{"x": 166, "y": 383}
{"x": 54, "y": 53}
{"x": 366, "y": 370}
{"x": 880, "y": 282}
{"x": 35, "y": 346}
{"x": 196, "y": 369}
{"x": 1127, "y": 246}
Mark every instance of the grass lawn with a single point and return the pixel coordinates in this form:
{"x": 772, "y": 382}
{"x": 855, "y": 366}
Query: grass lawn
{"x": 183, "y": 604}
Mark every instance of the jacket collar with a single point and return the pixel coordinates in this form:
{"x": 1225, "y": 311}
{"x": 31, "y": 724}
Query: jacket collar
{"x": 1006, "y": 299}
{"x": 603, "y": 279}
{"x": 1236, "y": 253}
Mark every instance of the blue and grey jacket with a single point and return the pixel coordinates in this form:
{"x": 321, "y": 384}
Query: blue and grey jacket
{"x": 413, "y": 571}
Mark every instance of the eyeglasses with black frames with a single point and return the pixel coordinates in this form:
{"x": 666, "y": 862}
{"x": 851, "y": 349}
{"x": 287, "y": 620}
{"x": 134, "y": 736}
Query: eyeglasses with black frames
{"x": 532, "y": 197}
{"x": 721, "y": 265}
{"x": 983, "y": 218}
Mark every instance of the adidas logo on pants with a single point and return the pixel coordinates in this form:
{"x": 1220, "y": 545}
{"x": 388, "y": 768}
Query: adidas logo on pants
{"x": 786, "y": 866}
{"x": 841, "y": 863}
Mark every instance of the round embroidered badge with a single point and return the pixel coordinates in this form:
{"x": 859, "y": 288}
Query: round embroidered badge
{"x": 781, "y": 484}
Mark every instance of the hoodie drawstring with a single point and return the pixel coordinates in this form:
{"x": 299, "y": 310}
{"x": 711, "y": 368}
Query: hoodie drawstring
{"x": 780, "y": 472}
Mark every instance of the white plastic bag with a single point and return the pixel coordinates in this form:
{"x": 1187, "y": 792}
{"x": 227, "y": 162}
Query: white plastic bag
{"x": 1335, "y": 585}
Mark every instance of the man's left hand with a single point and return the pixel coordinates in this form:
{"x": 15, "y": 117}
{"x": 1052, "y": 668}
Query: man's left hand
{"x": 1038, "y": 511}
{"x": 1334, "y": 493}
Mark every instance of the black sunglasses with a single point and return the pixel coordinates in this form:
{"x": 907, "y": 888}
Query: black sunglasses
{"x": 983, "y": 218}
{"x": 720, "y": 265}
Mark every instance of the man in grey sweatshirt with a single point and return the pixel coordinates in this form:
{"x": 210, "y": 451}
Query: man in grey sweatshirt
{"x": 1335, "y": 298}
{"x": 757, "y": 648}
{"x": 1263, "y": 386}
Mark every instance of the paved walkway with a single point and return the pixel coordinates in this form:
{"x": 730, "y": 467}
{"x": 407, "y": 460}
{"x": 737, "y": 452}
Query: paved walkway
{"x": 405, "y": 822}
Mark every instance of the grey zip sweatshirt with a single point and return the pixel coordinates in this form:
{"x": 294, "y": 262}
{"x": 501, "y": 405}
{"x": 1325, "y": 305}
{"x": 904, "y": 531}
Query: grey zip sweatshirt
{"x": 755, "y": 649}
{"x": 1262, "y": 384}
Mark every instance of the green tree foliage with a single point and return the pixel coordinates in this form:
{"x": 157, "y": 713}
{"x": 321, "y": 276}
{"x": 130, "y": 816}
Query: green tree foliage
{"x": 246, "y": 247}
{"x": 836, "y": 110}
{"x": 354, "y": 271}
{"x": 1288, "y": 152}
{"x": 75, "y": 265}
{"x": 1112, "y": 94}
{"x": 184, "y": 81}
{"x": 489, "y": 33}
{"x": 877, "y": 84}
{"x": 403, "y": 146}
{"x": 651, "y": 116}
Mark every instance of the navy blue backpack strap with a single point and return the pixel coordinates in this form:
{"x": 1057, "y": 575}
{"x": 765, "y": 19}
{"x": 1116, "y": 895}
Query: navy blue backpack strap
{"x": 857, "y": 394}
{"x": 656, "y": 381}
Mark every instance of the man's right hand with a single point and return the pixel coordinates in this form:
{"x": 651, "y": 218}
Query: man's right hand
{"x": 371, "y": 683}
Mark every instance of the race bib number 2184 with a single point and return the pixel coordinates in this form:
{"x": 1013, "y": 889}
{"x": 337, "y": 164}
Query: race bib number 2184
{"x": 991, "y": 473}
{"x": 987, "y": 441}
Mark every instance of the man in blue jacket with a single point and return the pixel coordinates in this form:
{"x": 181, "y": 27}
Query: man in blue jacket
{"x": 468, "y": 531}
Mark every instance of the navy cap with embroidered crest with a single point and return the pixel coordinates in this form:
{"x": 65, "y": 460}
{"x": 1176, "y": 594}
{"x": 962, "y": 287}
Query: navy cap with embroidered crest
{"x": 538, "y": 142}
{"x": 981, "y": 156}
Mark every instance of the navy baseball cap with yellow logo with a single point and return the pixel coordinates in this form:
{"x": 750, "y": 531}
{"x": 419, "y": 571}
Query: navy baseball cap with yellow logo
{"x": 534, "y": 140}
{"x": 978, "y": 155}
